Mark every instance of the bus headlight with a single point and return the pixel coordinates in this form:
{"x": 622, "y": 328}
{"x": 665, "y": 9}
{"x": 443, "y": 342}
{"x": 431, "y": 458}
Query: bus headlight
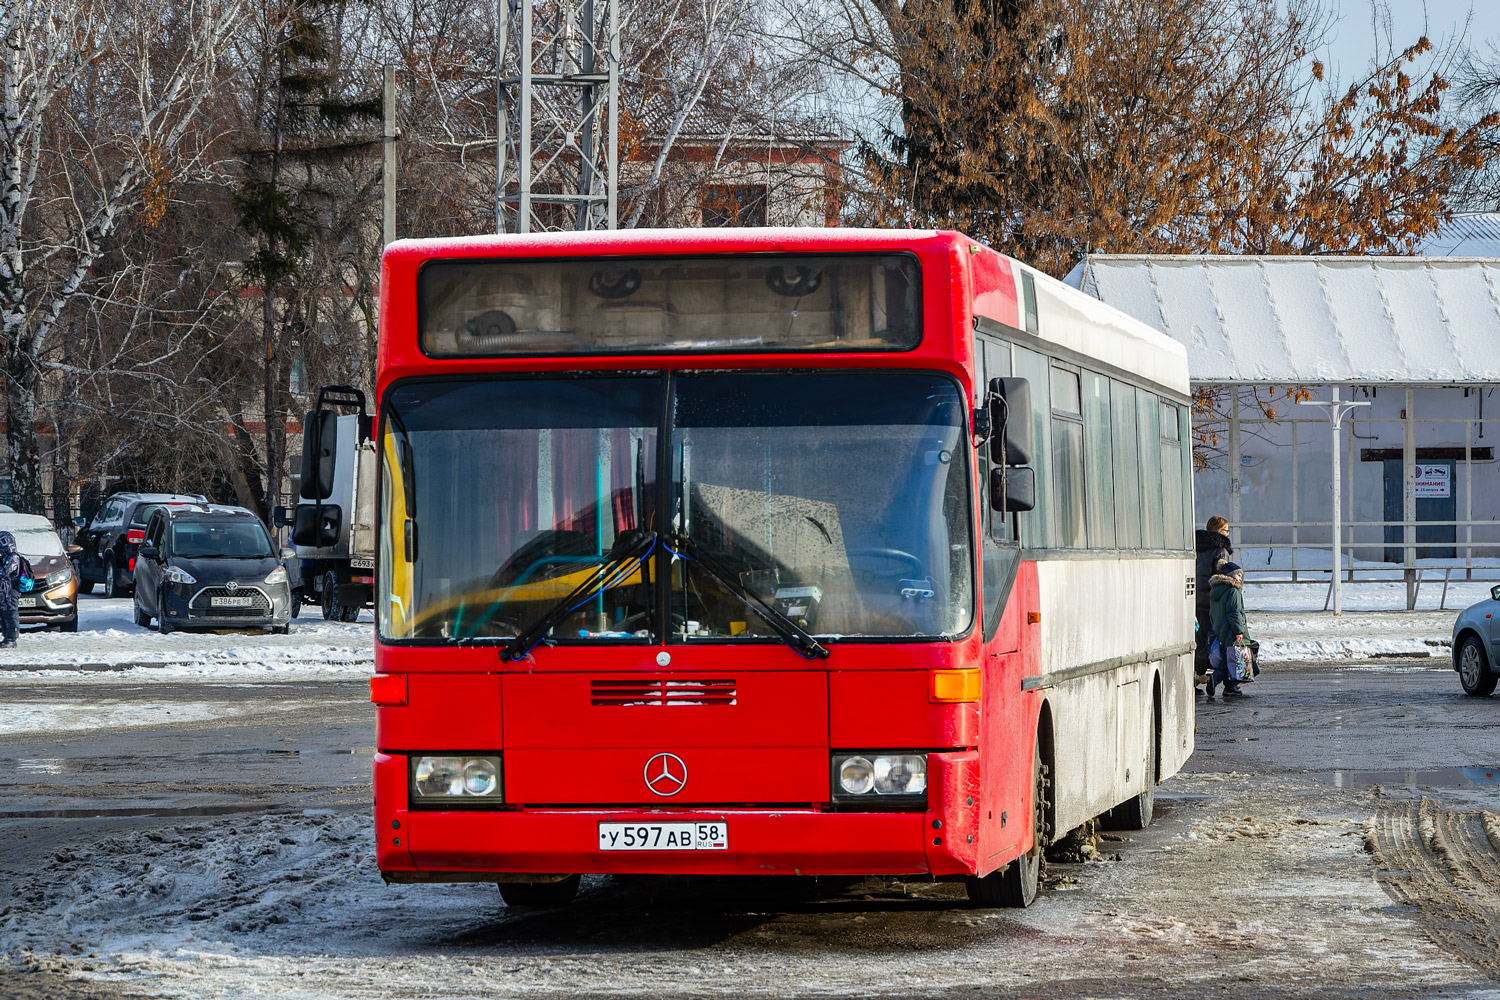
{"x": 880, "y": 780}
{"x": 856, "y": 776}
{"x": 455, "y": 781}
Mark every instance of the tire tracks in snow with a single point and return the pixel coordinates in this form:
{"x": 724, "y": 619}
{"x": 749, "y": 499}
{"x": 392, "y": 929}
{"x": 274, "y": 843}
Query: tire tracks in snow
{"x": 1446, "y": 864}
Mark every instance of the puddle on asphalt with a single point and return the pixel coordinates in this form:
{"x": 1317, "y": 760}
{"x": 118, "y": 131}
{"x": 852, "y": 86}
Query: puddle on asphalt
{"x": 1444, "y": 777}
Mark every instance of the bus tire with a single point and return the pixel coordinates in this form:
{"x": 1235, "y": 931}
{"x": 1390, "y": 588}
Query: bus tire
{"x": 1135, "y": 812}
{"x": 539, "y": 895}
{"x": 1016, "y": 884}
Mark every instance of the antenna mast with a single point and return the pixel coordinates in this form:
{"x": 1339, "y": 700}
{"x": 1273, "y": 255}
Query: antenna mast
{"x": 557, "y": 133}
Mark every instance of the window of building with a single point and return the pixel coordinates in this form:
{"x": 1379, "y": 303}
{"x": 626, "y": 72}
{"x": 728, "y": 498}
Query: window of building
{"x": 733, "y": 205}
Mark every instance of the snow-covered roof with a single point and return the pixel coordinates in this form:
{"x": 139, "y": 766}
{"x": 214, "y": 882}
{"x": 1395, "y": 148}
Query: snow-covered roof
{"x": 1313, "y": 320}
{"x": 1474, "y": 234}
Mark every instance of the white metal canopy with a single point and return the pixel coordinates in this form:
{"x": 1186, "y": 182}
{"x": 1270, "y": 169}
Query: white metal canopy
{"x": 1313, "y": 320}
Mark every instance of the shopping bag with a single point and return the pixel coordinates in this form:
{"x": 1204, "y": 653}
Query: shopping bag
{"x": 1215, "y": 653}
{"x": 1240, "y": 666}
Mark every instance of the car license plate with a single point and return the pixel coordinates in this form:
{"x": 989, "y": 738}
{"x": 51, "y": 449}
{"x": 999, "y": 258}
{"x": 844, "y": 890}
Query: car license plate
{"x": 232, "y": 602}
{"x": 27, "y": 602}
{"x": 664, "y": 836}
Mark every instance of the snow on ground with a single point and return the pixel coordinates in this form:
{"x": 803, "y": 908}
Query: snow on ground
{"x": 1355, "y": 635}
{"x": 108, "y": 639}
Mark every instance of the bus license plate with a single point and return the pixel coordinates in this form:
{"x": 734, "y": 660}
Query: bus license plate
{"x": 663, "y": 836}
{"x": 27, "y": 602}
{"x": 232, "y": 602}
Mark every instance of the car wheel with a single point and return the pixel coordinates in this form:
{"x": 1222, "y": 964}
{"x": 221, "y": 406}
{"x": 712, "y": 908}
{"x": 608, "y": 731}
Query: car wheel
{"x": 539, "y": 895}
{"x": 69, "y": 626}
{"x": 297, "y": 603}
{"x": 111, "y": 581}
{"x": 141, "y": 618}
{"x": 1474, "y": 669}
{"x": 330, "y": 597}
{"x": 348, "y": 612}
{"x": 162, "y": 625}
{"x": 84, "y": 586}
{"x": 281, "y": 629}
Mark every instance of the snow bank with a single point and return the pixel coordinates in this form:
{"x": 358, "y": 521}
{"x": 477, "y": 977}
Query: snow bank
{"x": 108, "y": 639}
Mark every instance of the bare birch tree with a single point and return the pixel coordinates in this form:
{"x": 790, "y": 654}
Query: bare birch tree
{"x": 98, "y": 103}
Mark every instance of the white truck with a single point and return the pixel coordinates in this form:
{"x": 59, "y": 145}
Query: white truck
{"x": 333, "y": 524}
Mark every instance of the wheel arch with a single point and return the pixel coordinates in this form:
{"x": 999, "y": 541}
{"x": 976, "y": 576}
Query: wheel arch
{"x": 1466, "y": 633}
{"x": 1046, "y": 744}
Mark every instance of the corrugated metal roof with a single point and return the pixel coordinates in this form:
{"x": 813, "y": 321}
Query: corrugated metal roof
{"x": 1314, "y": 320}
{"x": 1476, "y": 234}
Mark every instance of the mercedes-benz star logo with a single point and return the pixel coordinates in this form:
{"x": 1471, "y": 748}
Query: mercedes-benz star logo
{"x": 232, "y": 587}
{"x": 666, "y": 774}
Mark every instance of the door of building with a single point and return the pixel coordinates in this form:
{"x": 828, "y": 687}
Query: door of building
{"x": 1435, "y": 502}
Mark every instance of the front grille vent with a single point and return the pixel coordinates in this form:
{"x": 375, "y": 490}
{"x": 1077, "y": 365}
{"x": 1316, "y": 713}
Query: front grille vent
{"x": 665, "y": 692}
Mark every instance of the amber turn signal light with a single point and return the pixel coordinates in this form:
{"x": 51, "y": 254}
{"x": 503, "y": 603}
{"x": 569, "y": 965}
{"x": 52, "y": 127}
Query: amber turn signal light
{"x": 955, "y": 686}
{"x": 388, "y": 689}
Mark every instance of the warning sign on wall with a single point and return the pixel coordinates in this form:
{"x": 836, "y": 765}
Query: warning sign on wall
{"x": 1434, "y": 481}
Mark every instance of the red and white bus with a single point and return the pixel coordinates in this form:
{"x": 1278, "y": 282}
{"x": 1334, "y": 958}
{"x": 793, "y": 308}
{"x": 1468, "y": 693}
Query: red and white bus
{"x": 697, "y": 554}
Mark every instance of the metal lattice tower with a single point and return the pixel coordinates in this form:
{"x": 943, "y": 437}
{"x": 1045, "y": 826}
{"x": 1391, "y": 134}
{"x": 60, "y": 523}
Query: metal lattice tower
{"x": 557, "y": 152}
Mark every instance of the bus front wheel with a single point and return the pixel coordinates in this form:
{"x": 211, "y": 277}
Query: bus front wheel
{"x": 1016, "y": 884}
{"x": 539, "y": 895}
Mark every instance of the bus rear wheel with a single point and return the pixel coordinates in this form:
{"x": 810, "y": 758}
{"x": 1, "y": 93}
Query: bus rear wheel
{"x": 1016, "y": 884}
{"x": 539, "y": 895}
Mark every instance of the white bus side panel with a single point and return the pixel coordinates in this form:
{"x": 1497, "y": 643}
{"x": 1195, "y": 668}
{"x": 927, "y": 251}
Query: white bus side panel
{"x": 1112, "y": 629}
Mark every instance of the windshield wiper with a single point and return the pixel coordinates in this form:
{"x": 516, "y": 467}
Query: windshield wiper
{"x": 629, "y": 551}
{"x": 788, "y": 631}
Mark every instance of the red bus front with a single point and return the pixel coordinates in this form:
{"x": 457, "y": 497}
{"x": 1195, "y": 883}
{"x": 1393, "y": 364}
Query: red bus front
{"x": 678, "y": 567}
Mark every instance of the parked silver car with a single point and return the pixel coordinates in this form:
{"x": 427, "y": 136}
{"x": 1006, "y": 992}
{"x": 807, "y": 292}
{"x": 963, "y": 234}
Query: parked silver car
{"x": 1476, "y": 645}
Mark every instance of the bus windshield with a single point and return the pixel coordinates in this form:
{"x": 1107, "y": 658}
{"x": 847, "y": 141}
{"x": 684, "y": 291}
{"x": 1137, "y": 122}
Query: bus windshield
{"x": 839, "y": 499}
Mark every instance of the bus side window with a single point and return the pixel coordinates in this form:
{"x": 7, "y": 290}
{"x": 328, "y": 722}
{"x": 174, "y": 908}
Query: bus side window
{"x": 1099, "y": 474}
{"x": 1122, "y": 409}
{"x": 1174, "y": 514}
{"x": 1149, "y": 424}
{"x": 1068, "y": 529}
{"x": 1036, "y": 525}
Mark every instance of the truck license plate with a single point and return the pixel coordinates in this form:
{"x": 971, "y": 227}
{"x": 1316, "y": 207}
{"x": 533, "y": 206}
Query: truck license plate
{"x": 231, "y": 602}
{"x": 27, "y": 602}
{"x": 664, "y": 836}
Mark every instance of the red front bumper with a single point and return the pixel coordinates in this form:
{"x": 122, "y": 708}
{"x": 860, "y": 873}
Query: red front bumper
{"x": 424, "y": 845}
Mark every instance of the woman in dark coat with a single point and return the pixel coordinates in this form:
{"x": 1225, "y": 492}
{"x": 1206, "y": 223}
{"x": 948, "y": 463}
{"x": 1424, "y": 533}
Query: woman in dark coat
{"x": 10, "y": 594}
{"x": 1226, "y": 605}
{"x": 1214, "y": 550}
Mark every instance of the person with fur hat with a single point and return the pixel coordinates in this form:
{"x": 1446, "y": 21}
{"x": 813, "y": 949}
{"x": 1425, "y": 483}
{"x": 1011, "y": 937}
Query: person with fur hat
{"x": 1214, "y": 550}
{"x": 1226, "y": 608}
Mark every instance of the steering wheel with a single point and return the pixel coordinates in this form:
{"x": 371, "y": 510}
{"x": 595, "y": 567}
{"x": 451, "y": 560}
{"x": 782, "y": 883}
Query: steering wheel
{"x": 910, "y": 565}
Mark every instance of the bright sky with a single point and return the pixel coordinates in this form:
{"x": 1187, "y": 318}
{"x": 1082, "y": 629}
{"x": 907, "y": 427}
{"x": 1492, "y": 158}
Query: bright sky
{"x": 1441, "y": 20}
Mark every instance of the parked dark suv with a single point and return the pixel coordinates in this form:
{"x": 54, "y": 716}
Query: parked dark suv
{"x": 203, "y": 565}
{"x": 107, "y": 543}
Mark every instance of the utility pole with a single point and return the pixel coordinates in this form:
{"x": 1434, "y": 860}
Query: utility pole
{"x": 388, "y": 172}
{"x": 557, "y": 95}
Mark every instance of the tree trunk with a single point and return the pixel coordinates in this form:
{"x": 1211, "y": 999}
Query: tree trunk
{"x": 275, "y": 429}
{"x": 20, "y": 432}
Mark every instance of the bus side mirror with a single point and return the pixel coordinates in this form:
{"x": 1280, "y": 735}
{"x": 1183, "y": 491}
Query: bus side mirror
{"x": 278, "y": 516}
{"x": 1010, "y": 421}
{"x": 315, "y": 529}
{"x": 1012, "y": 490}
{"x": 1495, "y": 592}
{"x": 319, "y": 439}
